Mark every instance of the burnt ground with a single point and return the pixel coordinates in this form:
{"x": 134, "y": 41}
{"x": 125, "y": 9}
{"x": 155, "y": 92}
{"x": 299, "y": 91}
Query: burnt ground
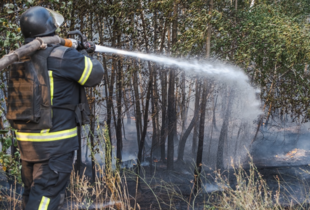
{"x": 294, "y": 186}
{"x": 174, "y": 189}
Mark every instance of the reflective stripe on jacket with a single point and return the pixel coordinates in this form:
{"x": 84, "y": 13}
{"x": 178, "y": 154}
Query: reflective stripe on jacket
{"x": 49, "y": 136}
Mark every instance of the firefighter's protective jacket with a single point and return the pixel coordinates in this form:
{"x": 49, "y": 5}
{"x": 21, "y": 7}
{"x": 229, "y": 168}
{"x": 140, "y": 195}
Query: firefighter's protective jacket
{"x": 68, "y": 70}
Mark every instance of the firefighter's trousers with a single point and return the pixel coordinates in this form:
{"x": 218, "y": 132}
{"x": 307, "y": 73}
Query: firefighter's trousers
{"x": 45, "y": 182}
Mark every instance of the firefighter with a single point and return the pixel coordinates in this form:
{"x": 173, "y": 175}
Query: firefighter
{"x": 47, "y": 154}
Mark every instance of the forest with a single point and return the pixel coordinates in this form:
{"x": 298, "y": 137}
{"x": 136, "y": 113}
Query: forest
{"x": 240, "y": 89}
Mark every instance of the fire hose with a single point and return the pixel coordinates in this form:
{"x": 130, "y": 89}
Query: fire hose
{"x": 42, "y": 42}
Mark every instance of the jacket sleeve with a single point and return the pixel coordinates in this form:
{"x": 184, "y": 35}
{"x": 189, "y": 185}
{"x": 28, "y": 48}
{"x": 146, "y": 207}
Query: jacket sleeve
{"x": 96, "y": 73}
{"x": 86, "y": 71}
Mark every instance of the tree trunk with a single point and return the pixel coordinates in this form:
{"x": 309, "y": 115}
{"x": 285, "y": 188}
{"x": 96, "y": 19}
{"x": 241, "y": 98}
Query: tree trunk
{"x": 185, "y": 136}
{"x": 126, "y": 103}
{"x": 155, "y": 143}
{"x": 118, "y": 129}
{"x": 145, "y": 118}
{"x": 197, "y": 99}
{"x": 92, "y": 133}
{"x": 137, "y": 104}
{"x": 214, "y": 117}
{"x": 163, "y": 133}
{"x": 223, "y": 135}
{"x": 163, "y": 118}
{"x": 171, "y": 97}
{"x": 155, "y": 136}
{"x": 183, "y": 104}
{"x": 197, "y": 180}
{"x": 201, "y": 136}
{"x": 171, "y": 120}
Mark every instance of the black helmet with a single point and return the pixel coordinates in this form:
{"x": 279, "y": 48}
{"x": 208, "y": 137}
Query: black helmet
{"x": 37, "y": 22}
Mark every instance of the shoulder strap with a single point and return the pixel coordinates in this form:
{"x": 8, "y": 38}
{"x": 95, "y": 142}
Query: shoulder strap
{"x": 59, "y": 52}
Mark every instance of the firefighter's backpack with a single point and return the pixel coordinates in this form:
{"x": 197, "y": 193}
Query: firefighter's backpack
{"x": 29, "y": 102}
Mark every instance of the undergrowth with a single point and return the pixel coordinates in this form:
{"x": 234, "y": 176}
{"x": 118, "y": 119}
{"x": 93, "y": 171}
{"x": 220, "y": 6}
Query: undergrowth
{"x": 110, "y": 190}
{"x": 251, "y": 192}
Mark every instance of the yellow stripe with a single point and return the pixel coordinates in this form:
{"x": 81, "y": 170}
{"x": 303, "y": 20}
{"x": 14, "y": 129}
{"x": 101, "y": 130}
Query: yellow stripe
{"x": 50, "y": 73}
{"x": 84, "y": 71}
{"x": 87, "y": 70}
{"x": 90, "y": 70}
{"x": 45, "y": 131}
{"x": 42, "y": 137}
{"x": 44, "y": 203}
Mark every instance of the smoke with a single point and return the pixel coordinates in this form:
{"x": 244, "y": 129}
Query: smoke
{"x": 225, "y": 79}
{"x": 214, "y": 187}
{"x": 277, "y": 139}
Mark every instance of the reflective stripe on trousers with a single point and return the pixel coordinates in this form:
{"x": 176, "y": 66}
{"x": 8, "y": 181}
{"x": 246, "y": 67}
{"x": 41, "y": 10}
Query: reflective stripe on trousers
{"x": 44, "y": 203}
{"x": 51, "y": 136}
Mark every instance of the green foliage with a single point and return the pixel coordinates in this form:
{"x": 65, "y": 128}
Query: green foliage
{"x": 194, "y": 29}
{"x": 11, "y": 35}
{"x": 271, "y": 41}
{"x": 276, "y": 47}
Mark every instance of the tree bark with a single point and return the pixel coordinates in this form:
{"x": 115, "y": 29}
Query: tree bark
{"x": 185, "y": 136}
{"x": 137, "y": 104}
{"x": 155, "y": 143}
{"x": 163, "y": 118}
{"x": 223, "y": 135}
{"x": 155, "y": 136}
{"x": 214, "y": 117}
{"x": 197, "y": 99}
{"x": 171, "y": 120}
{"x": 141, "y": 145}
{"x": 197, "y": 172}
{"x": 118, "y": 129}
{"x": 171, "y": 97}
{"x": 163, "y": 133}
{"x": 201, "y": 136}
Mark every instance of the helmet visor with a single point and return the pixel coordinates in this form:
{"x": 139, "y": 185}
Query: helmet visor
{"x": 59, "y": 19}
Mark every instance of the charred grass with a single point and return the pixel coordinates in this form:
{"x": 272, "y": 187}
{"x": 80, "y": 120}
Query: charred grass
{"x": 238, "y": 188}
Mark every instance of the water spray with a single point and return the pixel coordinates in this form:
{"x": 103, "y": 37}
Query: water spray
{"x": 224, "y": 73}
{"x": 216, "y": 71}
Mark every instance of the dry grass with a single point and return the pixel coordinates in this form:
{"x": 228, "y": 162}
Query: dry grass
{"x": 104, "y": 193}
{"x": 111, "y": 192}
{"x": 11, "y": 199}
{"x": 252, "y": 193}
